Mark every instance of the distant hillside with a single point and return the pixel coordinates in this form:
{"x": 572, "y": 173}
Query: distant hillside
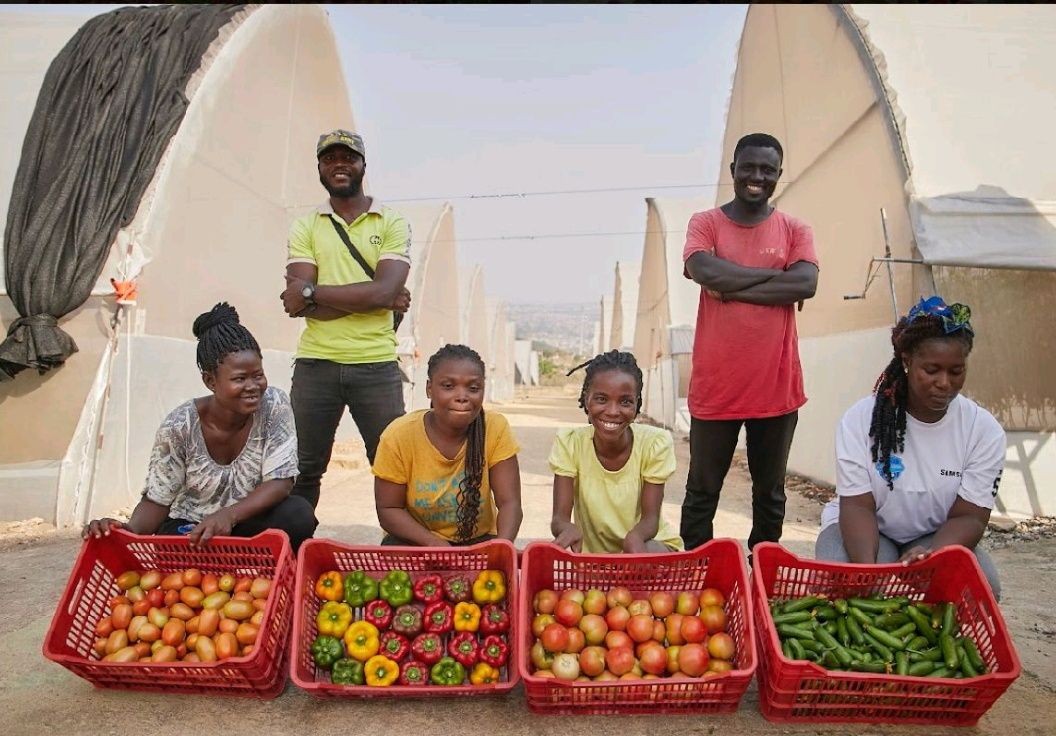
{"x": 568, "y": 327}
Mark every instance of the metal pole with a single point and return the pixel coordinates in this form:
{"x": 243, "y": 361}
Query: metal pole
{"x": 890, "y": 271}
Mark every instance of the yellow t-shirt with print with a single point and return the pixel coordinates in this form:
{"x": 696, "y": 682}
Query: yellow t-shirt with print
{"x": 379, "y": 233}
{"x": 608, "y": 503}
{"x": 406, "y": 456}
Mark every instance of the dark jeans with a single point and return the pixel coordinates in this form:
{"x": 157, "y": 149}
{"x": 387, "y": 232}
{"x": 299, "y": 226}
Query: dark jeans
{"x": 390, "y": 541}
{"x": 373, "y": 393}
{"x": 292, "y": 515}
{"x": 711, "y": 446}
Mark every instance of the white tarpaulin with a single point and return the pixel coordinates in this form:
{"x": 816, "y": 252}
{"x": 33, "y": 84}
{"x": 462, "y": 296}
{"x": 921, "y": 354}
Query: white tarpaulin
{"x": 972, "y": 95}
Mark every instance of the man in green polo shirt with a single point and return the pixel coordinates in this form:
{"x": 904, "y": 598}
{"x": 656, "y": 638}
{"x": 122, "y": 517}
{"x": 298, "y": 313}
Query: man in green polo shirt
{"x": 347, "y": 353}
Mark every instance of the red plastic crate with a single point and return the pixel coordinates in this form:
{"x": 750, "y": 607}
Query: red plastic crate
{"x": 260, "y": 674}
{"x": 718, "y": 564}
{"x": 798, "y": 691}
{"x": 317, "y": 556}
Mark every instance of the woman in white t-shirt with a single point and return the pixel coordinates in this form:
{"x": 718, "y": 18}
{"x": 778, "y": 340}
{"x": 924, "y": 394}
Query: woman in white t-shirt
{"x": 918, "y": 465}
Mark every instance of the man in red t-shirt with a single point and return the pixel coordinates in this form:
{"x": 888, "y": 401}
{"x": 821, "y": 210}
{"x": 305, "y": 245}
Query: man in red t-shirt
{"x": 754, "y": 264}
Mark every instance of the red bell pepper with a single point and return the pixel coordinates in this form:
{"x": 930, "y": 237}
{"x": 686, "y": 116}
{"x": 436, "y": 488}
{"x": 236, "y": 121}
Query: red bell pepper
{"x": 394, "y": 646}
{"x": 378, "y": 613}
{"x": 427, "y": 648}
{"x": 493, "y": 650}
{"x": 429, "y": 589}
{"x": 464, "y": 649}
{"x": 438, "y": 618}
{"x": 494, "y": 619}
{"x": 458, "y": 588}
{"x": 414, "y": 673}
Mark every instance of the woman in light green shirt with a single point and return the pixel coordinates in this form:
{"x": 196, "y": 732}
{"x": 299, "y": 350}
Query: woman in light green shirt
{"x": 611, "y": 473}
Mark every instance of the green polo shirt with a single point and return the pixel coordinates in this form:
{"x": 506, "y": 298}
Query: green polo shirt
{"x": 379, "y": 233}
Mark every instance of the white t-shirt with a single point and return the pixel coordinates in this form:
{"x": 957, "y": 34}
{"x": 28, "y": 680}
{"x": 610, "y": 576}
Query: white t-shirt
{"x": 962, "y": 454}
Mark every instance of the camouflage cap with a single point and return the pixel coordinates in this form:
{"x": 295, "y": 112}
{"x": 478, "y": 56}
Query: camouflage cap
{"x": 341, "y": 138}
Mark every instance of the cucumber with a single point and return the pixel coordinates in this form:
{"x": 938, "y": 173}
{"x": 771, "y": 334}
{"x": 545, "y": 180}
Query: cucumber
{"x": 796, "y": 617}
{"x": 801, "y": 604}
{"x": 885, "y": 638}
{"x": 794, "y": 631}
{"x": 918, "y": 669}
{"x": 949, "y": 651}
{"x": 972, "y": 652}
{"x": 923, "y": 624}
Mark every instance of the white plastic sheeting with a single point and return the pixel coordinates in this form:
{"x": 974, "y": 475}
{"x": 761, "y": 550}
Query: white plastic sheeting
{"x": 526, "y": 362}
{"x": 971, "y": 92}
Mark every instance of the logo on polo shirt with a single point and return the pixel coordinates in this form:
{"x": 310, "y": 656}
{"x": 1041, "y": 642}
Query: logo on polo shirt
{"x": 375, "y": 240}
{"x": 897, "y": 466}
{"x": 950, "y": 473}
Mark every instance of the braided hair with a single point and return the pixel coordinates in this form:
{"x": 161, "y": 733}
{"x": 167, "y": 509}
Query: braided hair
{"x": 614, "y": 360}
{"x": 219, "y": 334}
{"x": 888, "y": 425}
{"x": 469, "y": 487}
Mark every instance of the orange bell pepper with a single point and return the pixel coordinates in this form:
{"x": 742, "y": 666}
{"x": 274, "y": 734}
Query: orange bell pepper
{"x": 330, "y": 586}
{"x": 467, "y": 617}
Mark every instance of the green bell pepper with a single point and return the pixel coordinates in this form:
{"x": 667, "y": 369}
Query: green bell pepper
{"x": 326, "y": 650}
{"x": 347, "y": 672}
{"x": 360, "y": 589}
{"x": 396, "y": 588}
{"x": 447, "y": 672}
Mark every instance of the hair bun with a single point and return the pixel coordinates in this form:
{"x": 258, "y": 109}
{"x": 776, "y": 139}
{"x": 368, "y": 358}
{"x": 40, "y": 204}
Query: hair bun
{"x": 222, "y": 313}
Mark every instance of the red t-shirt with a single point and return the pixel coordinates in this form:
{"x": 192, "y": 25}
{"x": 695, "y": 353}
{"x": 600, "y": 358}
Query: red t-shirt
{"x": 746, "y": 356}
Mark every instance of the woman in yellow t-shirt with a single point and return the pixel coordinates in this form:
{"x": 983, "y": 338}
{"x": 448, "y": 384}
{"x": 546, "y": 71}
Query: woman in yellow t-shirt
{"x": 612, "y": 472}
{"x": 448, "y": 475}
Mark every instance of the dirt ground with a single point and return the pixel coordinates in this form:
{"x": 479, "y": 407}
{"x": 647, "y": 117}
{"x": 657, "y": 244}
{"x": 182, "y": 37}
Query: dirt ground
{"x": 37, "y": 696}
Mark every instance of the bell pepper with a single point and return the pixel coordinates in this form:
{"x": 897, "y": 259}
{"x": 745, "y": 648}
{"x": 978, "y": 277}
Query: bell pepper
{"x": 489, "y": 587}
{"x": 381, "y": 671}
{"x": 329, "y": 586}
{"x": 378, "y": 613}
{"x": 427, "y": 648}
{"x": 447, "y": 672}
{"x": 326, "y": 650}
{"x": 360, "y": 589}
{"x": 407, "y": 620}
{"x": 494, "y": 651}
{"x": 414, "y": 672}
{"x": 361, "y": 640}
{"x": 347, "y": 672}
{"x": 396, "y": 588}
{"x": 458, "y": 588}
{"x": 438, "y": 618}
{"x": 394, "y": 646}
{"x": 494, "y": 619}
{"x": 334, "y": 619}
{"x": 483, "y": 674}
{"x": 467, "y": 616}
{"x": 429, "y": 589}
{"x": 464, "y": 648}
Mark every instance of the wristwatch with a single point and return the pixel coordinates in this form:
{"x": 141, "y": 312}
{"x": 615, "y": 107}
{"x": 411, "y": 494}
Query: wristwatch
{"x": 308, "y": 292}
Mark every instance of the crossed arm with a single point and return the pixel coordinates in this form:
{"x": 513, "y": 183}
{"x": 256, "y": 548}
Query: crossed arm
{"x": 769, "y": 286}
{"x": 385, "y": 291}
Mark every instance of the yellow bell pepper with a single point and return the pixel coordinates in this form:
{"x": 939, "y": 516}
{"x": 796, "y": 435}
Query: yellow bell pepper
{"x": 330, "y": 586}
{"x": 361, "y": 640}
{"x": 334, "y": 619}
{"x": 489, "y": 587}
{"x": 467, "y": 616}
{"x": 381, "y": 671}
{"x": 483, "y": 674}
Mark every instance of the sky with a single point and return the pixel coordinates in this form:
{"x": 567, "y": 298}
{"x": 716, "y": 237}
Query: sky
{"x": 459, "y": 102}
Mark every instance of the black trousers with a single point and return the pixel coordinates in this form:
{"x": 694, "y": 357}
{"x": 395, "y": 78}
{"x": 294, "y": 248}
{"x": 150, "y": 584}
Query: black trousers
{"x": 293, "y": 515}
{"x": 321, "y": 390}
{"x": 711, "y": 447}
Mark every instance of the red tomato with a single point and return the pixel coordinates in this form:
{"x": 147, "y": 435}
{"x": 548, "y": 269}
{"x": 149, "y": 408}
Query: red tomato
{"x": 693, "y": 630}
{"x": 576, "y": 641}
{"x": 663, "y": 603}
{"x": 617, "y": 618}
{"x": 618, "y": 596}
{"x": 156, "y": 597}
{"x": 592, "y": 661}
{"x": 673, "y": 629}
{"x": 721, "y": 646}
{"x": 693, "y": 660}
{"x": 618, "y": 640}
{"x": 210, "y": 583}
{"x": 555, "y": 637}
{"x": 192, "y": 576}
{"x": 653, "y": 658}
{"x": 712, "y": 597}
{"x": 568, "y": 612}
{"x": 640, "y": 628}
{"x": 121, "y": 616}
{"x": 619, "y": 661}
